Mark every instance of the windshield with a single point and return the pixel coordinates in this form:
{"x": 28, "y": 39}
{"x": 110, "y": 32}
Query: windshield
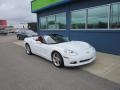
{"x": 55, "y": 39}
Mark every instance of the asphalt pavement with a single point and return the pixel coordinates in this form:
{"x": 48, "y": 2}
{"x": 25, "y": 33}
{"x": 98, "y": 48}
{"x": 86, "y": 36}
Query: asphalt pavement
{"x": 19, "y": 71}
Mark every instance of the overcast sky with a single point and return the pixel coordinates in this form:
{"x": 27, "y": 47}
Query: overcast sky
{"x": 16, "y": 11}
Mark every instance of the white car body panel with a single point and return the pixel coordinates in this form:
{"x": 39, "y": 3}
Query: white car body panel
{"x": 84, "y": 51}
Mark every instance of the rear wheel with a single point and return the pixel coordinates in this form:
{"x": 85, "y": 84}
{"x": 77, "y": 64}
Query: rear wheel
{"x": 57, "y": 59}
{"x": 28, "y": 49}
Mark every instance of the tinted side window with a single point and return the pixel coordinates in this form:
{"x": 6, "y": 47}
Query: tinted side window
{"x": 78, "y": 19}
{"x": 98, "y": 17}
{"x": 115, "y": 16}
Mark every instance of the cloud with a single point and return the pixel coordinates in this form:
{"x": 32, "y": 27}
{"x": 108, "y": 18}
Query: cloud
{"x": 16, "y": 11}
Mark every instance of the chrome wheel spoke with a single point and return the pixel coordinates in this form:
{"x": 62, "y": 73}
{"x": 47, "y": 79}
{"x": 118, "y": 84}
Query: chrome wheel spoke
{"x": 56, "y": 59}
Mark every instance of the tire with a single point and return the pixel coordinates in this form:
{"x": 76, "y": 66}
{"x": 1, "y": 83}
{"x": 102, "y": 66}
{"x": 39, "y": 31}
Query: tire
{"x": 57, "y": 59}
{"x": 28, "y": 49}
{"x": 18, "y": 37}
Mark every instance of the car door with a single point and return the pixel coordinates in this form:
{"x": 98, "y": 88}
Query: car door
{"x": 42, "y": 49}
{"x": 24, "y": 34}
{"x": 37, "y": 47}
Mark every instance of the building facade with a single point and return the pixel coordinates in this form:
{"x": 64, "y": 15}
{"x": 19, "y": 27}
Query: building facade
{"x": 93, "y": 21}
{"x": 3, "y": 24}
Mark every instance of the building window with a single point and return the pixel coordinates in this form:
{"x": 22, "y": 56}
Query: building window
{"x": 51, "y": 22}
{"x": 115, "y": 16}
{"x": 43, "y": 23}
{"x": 98, "y": 17}
{"x": 78, "y": 19}
{"x": 61, "y": 21}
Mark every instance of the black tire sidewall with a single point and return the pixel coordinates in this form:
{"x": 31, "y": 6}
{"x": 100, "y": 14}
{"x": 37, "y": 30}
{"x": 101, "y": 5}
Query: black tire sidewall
{"x": 27, "y": 45}
{"x": 18, "y": 37}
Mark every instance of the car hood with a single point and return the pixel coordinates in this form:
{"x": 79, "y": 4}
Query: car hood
{"x": 73, "y": 45}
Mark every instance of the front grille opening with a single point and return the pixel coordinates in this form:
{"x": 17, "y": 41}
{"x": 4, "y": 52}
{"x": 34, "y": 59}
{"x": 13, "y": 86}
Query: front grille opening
{"x": 85, "y": 60}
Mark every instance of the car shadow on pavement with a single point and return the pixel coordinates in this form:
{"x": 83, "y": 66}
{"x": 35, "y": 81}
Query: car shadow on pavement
{"x": 80, "y": 67}
{"x": 66, "y": 68}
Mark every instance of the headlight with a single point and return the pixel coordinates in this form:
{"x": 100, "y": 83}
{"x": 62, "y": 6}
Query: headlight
{"x": 70, "y": 52}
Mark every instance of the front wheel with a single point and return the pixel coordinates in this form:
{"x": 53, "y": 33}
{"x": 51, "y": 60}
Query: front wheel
{"x": 28, "y": 49}
{"x": 57, "y": 59}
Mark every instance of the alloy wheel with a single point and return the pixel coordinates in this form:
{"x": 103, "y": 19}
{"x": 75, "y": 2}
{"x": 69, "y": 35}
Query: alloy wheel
{"x": 57, "y": 59}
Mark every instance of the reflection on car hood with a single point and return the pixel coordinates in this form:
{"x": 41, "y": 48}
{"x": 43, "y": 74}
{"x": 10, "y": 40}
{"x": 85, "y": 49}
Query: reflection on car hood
{"x": 73, "y": 45}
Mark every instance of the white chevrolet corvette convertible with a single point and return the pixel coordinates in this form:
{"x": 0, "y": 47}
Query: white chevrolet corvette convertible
{"x": 60, "y": 50}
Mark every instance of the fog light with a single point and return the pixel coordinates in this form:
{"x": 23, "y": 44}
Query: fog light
{"x": 73, "y": 62}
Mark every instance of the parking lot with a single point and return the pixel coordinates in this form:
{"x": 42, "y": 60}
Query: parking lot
{"x": 19, "y": 71}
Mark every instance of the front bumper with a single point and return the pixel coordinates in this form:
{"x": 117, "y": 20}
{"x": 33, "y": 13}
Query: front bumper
{"x": 78, "y": 61}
